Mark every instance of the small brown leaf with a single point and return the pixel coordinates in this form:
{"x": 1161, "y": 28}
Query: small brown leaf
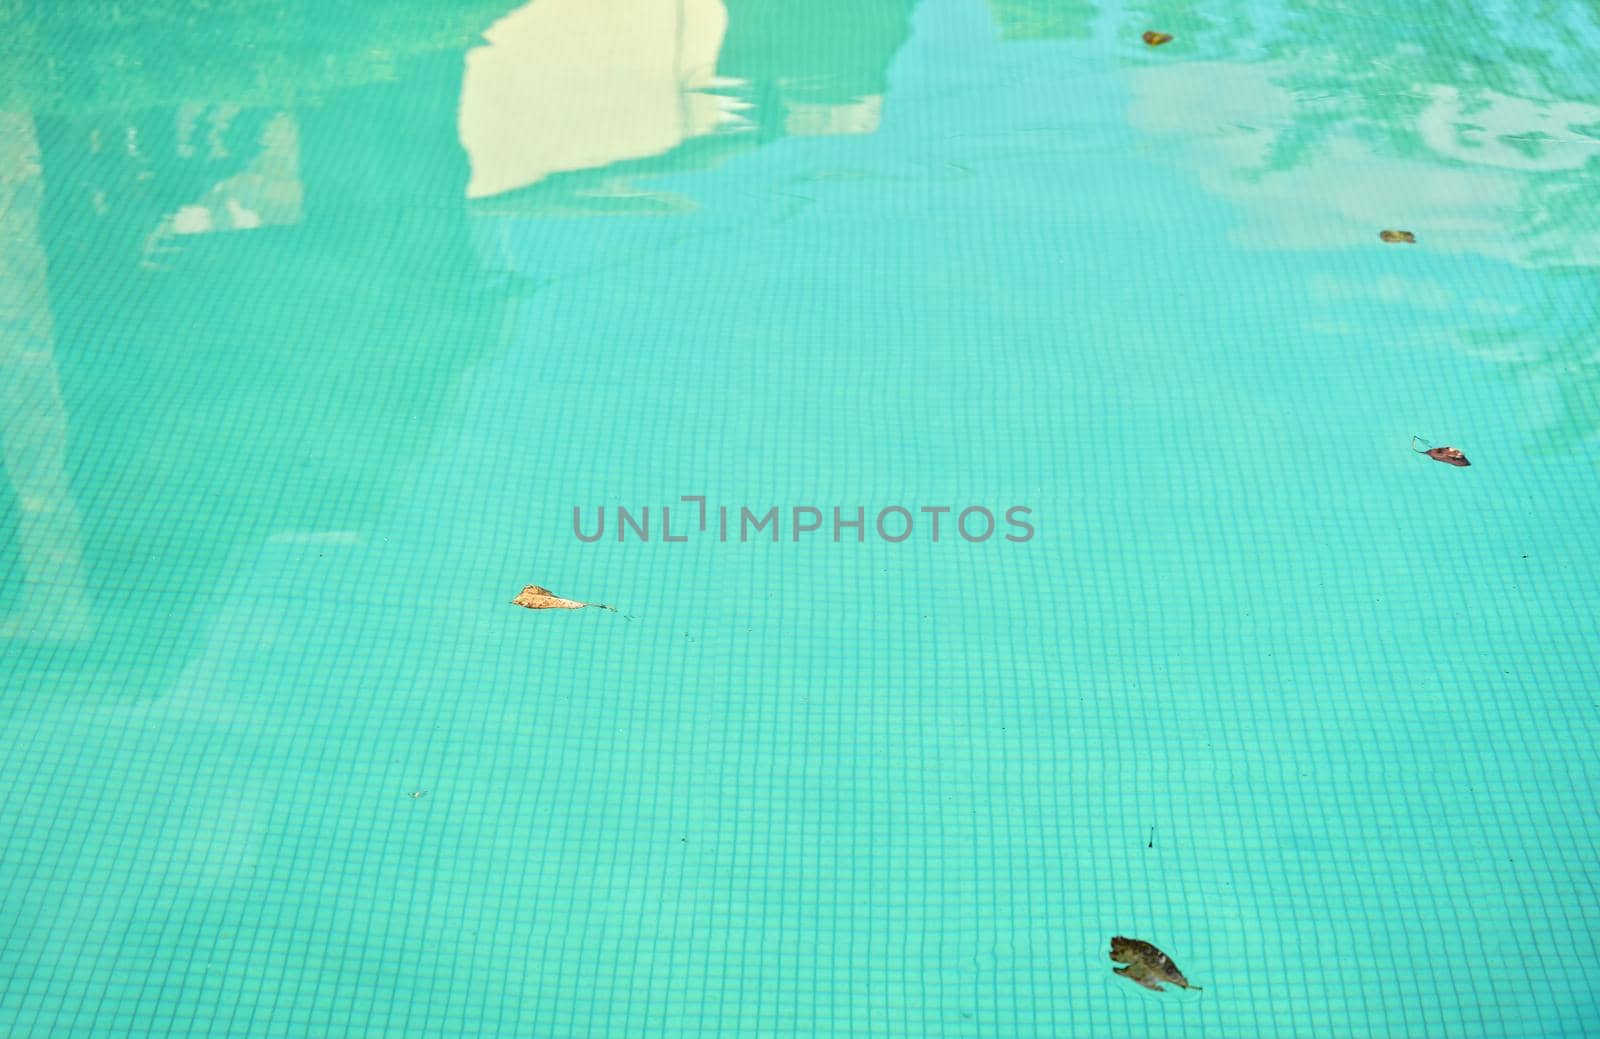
{"x": 1398, "y": 236}
{"x": 1147, "y": 965}
{"x": 535, "y": 598}
{"x": 1156, "y": 39}
{"x": 1447, "y": 455}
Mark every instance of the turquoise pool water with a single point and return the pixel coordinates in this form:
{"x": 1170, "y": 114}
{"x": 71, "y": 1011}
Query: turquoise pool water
{"x": 317, "y": 328}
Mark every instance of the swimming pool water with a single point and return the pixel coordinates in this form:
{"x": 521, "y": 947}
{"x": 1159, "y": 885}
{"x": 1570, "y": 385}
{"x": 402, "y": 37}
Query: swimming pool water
{"x": 316, "y": 326}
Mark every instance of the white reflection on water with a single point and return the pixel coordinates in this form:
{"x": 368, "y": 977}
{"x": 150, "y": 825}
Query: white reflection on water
{"x": 1465, "y": 187}
{"x": 266, "y": 193}
{"x": 33, "y": 419}
{"x": 575, "y": 84}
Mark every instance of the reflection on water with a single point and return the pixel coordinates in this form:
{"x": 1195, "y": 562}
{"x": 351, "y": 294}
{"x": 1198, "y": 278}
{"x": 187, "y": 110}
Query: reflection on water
{"x": 1549, "y": 344}
{"x": 240, "y": 292}
{"x": 1307, "y": 177}
{"x": 244, "y": 285}
{"x": 220, "y": 388}
{"x": 77, "y": 59}
{"x": 569, "y": 102}
{"x": 575, "y": 84}
{"x": 1321, "y": 131}
{"x": 50, "y": 601}
{"x": 1044, "y": 19}
{"x": 267, "y": 192}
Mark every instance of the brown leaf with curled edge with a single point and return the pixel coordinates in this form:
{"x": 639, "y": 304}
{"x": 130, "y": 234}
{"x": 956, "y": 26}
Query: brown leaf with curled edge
{"x": 1447, "y": 455}
{"x": 1156, "y": 39}
{"x": 1147, "y": 965}
{"x": 535, "y": 598}
{"x": 1398, "y": 236}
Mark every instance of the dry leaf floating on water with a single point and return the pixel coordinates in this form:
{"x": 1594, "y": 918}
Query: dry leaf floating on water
{"x": 535, "y": 598}
{"x": 1156, "y": 39}
{"x": 1398, "y": 236}
{"x": 1447, "y": 455}
{"x": 1147, "y": 965}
